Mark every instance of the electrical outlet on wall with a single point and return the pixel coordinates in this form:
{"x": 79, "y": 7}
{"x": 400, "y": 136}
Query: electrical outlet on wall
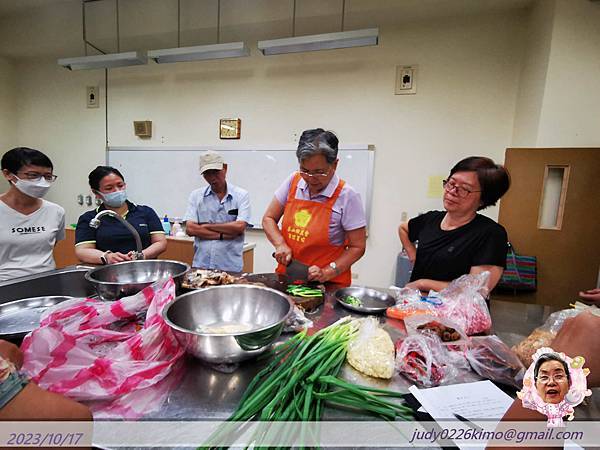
{"x": 92, "y": 100}
{"x": 406, "y": 79}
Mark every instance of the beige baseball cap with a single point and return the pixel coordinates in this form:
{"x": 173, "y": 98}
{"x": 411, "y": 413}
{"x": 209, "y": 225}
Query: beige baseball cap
{"x": 211, "y": 160}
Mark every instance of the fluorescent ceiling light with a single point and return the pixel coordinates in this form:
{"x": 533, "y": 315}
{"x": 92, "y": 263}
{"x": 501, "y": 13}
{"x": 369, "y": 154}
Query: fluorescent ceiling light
{"x": 104, "y": 61}
{"x": 344, "y": 39}
{"x": 200, "y": 52}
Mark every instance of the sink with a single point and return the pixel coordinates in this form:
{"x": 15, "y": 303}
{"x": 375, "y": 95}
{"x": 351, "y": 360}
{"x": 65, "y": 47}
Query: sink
{"x": 69, "y": 281}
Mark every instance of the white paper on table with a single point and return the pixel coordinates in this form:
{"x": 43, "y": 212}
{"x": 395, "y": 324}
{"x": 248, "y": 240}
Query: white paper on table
{"x": 476, "y": 400}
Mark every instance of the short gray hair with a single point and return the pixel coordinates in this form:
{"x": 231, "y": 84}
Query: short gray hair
{"x": 317, "y": 142}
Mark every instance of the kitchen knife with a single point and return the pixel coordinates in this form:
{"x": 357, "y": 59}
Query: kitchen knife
{"x": 296, "y": 271}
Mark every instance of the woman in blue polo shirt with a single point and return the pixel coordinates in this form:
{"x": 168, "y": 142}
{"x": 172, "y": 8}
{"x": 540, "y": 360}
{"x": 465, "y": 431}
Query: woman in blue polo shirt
{"x": 112, "y": 242}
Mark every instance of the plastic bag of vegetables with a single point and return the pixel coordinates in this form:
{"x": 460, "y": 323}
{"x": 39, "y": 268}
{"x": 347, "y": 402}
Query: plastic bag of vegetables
{"x": 372, "y": 351}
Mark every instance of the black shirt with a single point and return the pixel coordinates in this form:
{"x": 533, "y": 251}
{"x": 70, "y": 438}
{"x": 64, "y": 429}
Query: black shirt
{"x": 446, "y": 255}
{"x": 113, "y": 235}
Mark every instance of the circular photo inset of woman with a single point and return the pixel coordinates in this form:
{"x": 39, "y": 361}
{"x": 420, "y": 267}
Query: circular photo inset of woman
{"x": 554, "y": 384}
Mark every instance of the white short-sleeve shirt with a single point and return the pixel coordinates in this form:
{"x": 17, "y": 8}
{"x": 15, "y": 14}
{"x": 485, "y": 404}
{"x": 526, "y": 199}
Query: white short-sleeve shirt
{"x": 27, "y": 241}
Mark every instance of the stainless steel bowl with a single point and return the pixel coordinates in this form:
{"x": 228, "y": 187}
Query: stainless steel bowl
{"x": 19, "y": 317}
{"x": 372, "y": 301}
{"x": 127, "y": 278}
{"x": 195, "y": 315}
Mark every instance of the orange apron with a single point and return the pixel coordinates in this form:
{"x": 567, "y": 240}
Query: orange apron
{"x": 305, "y": 229}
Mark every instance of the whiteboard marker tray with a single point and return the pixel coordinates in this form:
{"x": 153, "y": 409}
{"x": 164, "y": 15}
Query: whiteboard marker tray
{"x": 19, "y": 317}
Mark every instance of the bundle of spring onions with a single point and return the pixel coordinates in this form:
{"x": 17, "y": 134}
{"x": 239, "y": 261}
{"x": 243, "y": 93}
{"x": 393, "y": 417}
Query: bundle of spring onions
{"x": 302, "y": 378}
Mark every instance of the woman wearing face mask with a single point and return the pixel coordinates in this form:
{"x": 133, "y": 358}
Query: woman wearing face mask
{"x": 29, "y": 226}
{"x": 112, "y": 242}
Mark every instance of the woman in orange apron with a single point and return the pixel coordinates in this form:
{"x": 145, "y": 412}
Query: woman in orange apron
{"x": 323, "y": 222}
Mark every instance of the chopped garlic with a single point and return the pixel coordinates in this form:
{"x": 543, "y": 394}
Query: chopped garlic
{"x": 372, "y": 351}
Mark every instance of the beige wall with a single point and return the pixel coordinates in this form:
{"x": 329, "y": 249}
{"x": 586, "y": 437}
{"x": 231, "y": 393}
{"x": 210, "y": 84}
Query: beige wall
{"x": 559, "y": 96}
{"x": 532, "y": 84}
{"x": 571, "y": 108}
{"x": 467, "y": 87}
{"x": 8, "y": 113}
{"x": 53, "y": 118}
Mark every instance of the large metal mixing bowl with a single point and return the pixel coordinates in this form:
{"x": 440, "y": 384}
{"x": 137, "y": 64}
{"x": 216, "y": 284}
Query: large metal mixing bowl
{"x": 127, "y": 278}
{"x": 201, "y": 321}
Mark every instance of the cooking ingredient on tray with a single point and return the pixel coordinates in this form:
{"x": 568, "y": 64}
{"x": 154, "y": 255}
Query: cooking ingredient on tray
{"x": 352, "y": 300}
{"x": 301, "y": 378}
{"x": 445, "y": 333}
{"x": 224, "y": 328}
{"x": 302, "y": 290}
{"x": 199, "y": 278}
{"x": 372, "y": 351}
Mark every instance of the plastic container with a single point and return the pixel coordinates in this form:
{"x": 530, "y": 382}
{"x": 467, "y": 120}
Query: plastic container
{"x": 167, "y": 225}
{"x": 177, "y": 229}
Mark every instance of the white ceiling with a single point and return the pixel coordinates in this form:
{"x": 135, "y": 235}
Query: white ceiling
{"x": 53, "y": 28}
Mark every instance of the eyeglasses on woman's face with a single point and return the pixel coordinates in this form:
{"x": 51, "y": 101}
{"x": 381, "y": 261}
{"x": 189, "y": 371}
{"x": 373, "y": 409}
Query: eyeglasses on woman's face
{"x": 460, "y": 191}
{"x": 558, "y": 377}
{"x": 36, "y": 176}
{"x": 318, "y": 174}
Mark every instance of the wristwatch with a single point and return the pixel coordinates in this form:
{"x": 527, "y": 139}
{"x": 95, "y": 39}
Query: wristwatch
{"x": 103, "y": 257}
{"x": 334, "y": 266}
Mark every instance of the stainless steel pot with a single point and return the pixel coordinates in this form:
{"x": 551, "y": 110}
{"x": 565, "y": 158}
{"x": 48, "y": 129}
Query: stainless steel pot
{"x": 127, "y": 278}
{"x": 195, "y": 316}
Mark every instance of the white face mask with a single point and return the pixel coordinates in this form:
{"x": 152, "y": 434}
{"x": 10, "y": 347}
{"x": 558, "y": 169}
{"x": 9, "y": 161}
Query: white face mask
{"x": 36, "y": 189}
{"x": 114, "y": 199}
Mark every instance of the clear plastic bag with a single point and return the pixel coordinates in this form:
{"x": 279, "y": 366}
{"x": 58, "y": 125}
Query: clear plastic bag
{"x": 297, "y": 321}
{"x": 543, "y": 335}
{"x": 447, "y": 330}
{"x": 95, "y": 351}
{"x": 409, "y": 302}
{"x": 463, "y": 302}
{"x": 372, "y": 351}
{"x": 493, "y": 359}
{"x": 424, "y": 360}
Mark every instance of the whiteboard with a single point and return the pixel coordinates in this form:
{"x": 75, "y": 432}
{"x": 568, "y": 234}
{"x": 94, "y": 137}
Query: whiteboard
{"x": 163, "y": 177}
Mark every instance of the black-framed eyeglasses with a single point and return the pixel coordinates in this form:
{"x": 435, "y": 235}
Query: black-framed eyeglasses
{"x": 460, "y": 191}
{"x": 35, "y": 176}
{"x": 316, "y": 174}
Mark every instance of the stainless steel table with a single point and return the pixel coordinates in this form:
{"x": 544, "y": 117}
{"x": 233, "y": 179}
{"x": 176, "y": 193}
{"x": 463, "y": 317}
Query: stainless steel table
{"x": 206, "y": 393}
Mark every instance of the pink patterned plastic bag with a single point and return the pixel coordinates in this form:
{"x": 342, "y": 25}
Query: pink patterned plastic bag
{"x": 93, "y": 351}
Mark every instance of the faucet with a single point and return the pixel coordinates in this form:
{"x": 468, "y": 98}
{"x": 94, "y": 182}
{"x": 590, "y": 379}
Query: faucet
{"x": 95, "y": 223}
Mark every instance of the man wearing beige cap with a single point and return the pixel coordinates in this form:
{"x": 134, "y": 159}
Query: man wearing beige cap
{"x": 217, "y": 216}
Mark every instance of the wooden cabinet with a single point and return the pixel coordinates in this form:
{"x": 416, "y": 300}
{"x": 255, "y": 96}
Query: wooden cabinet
{"x": 178, "y": 249}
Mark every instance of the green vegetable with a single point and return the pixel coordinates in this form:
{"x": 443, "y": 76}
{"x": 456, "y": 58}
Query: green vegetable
{"x": 300, "y": 290}
{"x": 352, "y": 300}
{"x": 302, "y": 377}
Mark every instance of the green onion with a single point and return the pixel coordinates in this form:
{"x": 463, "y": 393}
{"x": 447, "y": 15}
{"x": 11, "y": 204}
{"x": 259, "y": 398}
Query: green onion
{"x": 352, "y": 300}
{"x": 302, "y": 377}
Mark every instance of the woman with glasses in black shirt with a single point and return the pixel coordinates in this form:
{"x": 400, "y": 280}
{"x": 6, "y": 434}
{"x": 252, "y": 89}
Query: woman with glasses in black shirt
{"x": 459, "y": 241}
